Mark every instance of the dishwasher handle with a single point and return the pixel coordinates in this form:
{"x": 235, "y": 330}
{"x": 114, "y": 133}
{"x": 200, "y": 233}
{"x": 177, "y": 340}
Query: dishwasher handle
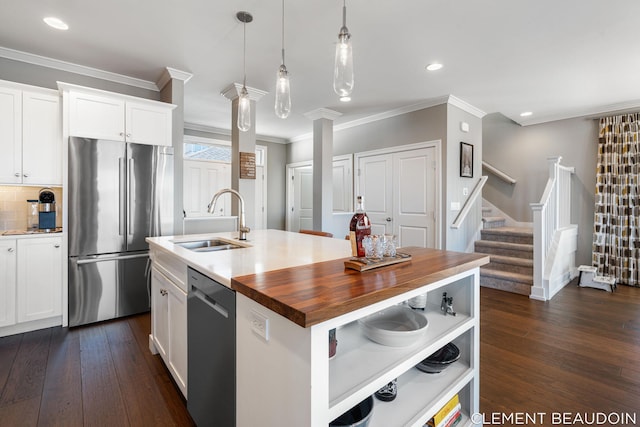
{"x": 210, "y": 302}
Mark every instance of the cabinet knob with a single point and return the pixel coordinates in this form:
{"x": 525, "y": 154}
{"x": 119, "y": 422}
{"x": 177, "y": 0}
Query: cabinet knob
{"x": 121, "y": 133}
{"x": 17, "y": 174}
{"x": 26, "y": 175}
{"x": 56, "y": 245}
{"x": 128, "y": 135}
{"x": 10, "y": 249}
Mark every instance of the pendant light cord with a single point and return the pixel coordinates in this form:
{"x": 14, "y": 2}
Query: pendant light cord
{"x": 244, "y": 53}
{"x": 344, "y": 13}
{"x": 282, "y": 32}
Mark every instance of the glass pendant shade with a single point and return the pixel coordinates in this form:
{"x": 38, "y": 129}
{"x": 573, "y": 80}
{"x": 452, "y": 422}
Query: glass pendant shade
{"x": 343, "y": 71}
{"x": 244, "y": 110}
{"x": 283, "y": 93}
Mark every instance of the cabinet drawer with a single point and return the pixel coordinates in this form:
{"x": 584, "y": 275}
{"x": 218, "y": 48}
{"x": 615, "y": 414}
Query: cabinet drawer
{"x": 174, "y": 269}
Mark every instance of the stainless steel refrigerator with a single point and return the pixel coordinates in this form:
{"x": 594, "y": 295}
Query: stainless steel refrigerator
{"x": 119, "y": 194}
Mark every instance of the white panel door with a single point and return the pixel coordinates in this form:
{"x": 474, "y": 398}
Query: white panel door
{"x": 342, "y": 185}
{"x": 400, "y": 193}
{"x": 375, "y": 178}
{"x": 414, "y": 198}
{"x": 201, "y": 181}
{"x": 300, "y": 198}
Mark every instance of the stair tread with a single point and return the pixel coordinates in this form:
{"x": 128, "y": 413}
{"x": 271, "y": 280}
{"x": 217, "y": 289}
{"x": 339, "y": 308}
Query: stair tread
{"x": 505, "y": 245}
{"x": 506, "y": 275}
{"x": 504, "y": 259}
{"x": 493, "y": 218}
{"x": 512, "y": 231}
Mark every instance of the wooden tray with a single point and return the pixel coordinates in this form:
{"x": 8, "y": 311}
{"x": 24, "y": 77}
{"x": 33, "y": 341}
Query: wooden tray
{"x": 364, "y": 264}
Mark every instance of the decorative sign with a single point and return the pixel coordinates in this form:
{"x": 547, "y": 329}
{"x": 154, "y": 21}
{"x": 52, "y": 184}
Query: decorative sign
{"x": 247, "y": 165}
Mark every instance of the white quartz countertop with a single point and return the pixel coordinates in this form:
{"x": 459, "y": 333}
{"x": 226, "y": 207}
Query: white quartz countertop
{"x": 267, "y": 250}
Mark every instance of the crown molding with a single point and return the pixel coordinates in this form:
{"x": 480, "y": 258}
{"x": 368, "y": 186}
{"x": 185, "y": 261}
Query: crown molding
{"x": 173, "y": 74}
{"x": 232, "y": 91}
{"x": 56, "y": 64}
{"x": 210, "y": 129}
{"x": 465, "y": 106}
{"x": 322, "y": 113}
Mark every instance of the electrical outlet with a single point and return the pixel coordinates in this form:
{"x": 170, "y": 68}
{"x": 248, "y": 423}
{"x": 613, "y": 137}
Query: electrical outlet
{"x": 465, "y": 191}
{"x": 260, "y": 324}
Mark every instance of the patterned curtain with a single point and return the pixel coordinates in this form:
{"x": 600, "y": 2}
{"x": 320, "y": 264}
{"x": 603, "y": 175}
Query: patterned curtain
{"x": 616, "y": 243}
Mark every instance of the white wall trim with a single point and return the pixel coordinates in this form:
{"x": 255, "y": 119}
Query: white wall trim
{"x": 587, "y": 113}
{"x": 56, "y": 64}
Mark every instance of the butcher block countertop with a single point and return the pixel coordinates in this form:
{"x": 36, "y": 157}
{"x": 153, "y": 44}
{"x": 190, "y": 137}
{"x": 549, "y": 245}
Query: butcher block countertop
{"x": 313, "y": 293}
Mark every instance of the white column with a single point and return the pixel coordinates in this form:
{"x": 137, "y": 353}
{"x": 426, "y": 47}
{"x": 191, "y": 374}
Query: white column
{"x": 243, "y": 142}
{"x": 322, "y": 167}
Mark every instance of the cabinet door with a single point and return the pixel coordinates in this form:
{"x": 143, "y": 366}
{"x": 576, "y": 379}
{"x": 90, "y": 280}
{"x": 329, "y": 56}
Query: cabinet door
{"x": 7, "y": 282}
{"x": 178, "y": 335}
{"x": 148, "y": 123}
{"x": 10, "y": 135}
{"x": 39, "y": 278}
{"x": 41, "y": 139}
{"x": 94, "y": 116}
{"x": 160, "y": 311}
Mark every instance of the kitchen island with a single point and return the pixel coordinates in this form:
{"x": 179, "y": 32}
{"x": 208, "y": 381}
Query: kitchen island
{"x": 292, "y": 289}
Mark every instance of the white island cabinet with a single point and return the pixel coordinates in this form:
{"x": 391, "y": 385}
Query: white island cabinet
{"x": 292, "y": 289}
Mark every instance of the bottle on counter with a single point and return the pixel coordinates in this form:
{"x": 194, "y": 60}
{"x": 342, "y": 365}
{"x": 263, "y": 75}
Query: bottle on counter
{"x": 358, "y": 228}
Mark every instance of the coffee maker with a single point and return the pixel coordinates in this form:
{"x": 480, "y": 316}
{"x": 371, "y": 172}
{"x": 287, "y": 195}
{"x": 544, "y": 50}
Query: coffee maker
{"x": 46, "y": 210}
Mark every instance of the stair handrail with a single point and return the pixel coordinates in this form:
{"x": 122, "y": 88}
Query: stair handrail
{"x": 549, "y": 215}
{"x": 497, "y": 172}
{"x": 477, "y": 190}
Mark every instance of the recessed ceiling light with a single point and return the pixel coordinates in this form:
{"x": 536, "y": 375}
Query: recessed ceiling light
{"x": 345, "y": 98}
{"x": 433, "y": 67}
{"x": 56, "y": 23}
{"x": 526, "y": 114}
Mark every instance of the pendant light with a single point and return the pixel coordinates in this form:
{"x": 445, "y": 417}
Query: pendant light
{"x": 343, "y": 70}
{"x": 283, "y": 91}
{"x": 244, "y": 103}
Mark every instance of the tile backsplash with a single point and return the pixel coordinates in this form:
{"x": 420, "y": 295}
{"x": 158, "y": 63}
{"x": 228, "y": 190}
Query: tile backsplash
{"x": 13, "y": 205}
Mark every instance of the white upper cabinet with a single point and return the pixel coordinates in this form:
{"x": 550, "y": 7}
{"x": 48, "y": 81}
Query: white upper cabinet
{"x": 104, "y": 115}
{"x": 30, "y": 135}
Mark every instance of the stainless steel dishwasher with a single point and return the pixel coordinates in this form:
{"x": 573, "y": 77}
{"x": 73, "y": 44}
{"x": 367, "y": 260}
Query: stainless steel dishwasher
{"x": 211, "y": 326}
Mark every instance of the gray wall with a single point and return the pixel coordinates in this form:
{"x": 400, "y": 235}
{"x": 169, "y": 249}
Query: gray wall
{"x": 461, "y": 238}
{"x": 522, "y": 153}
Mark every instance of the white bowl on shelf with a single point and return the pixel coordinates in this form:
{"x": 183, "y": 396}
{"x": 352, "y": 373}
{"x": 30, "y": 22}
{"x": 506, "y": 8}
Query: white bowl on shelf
{"x": 396, "y": 326}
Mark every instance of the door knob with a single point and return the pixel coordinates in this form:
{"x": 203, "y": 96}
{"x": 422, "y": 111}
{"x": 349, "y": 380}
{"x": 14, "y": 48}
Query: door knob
{"x": 388, "y": 219}
{"x": 163, "y": 292}
{"x": 56, "y": 245}
{"x": 10, "y": 249}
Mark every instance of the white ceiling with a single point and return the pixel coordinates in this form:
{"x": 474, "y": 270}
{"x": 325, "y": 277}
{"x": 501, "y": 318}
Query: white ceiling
{"x": 556, "y": 58}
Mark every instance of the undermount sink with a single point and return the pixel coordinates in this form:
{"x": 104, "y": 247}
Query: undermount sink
{"x": 210, "y": 245}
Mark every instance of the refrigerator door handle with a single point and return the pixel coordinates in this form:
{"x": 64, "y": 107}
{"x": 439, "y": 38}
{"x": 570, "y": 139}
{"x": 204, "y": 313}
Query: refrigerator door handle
{"x": 110, "y": 258}
{"x": 122, "y": 184}
{"x": 131, "y": 184}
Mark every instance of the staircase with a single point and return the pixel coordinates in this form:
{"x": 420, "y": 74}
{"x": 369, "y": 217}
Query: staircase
{"x": 511, "y": 251}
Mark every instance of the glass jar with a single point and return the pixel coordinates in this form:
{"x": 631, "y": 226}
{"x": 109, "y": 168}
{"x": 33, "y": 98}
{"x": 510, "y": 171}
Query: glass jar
{"x": 32, "y": 215}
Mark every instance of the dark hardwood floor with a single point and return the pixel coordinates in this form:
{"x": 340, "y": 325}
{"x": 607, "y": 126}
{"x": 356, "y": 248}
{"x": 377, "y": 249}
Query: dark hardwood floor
{"x": 578, "y": 353}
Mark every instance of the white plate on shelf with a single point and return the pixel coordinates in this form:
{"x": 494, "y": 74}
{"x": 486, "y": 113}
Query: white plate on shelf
{"x": 396, "y": 326}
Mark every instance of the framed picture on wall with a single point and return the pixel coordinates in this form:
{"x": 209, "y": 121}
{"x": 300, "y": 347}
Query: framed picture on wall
{"x": 466, "y": 160}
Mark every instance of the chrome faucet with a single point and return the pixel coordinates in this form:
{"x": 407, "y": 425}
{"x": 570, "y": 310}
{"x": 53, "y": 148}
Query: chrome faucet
{"x": 242, "y": 227}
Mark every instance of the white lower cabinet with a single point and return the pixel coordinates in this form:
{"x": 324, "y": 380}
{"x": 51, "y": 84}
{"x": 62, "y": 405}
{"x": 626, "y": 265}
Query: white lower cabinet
{"x": 30, "y": 284}
{"x": 169, "y": 324}
{"x": 324, "y": 389}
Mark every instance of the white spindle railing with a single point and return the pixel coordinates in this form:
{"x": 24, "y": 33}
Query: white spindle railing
{"x": 552, "y": 213}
